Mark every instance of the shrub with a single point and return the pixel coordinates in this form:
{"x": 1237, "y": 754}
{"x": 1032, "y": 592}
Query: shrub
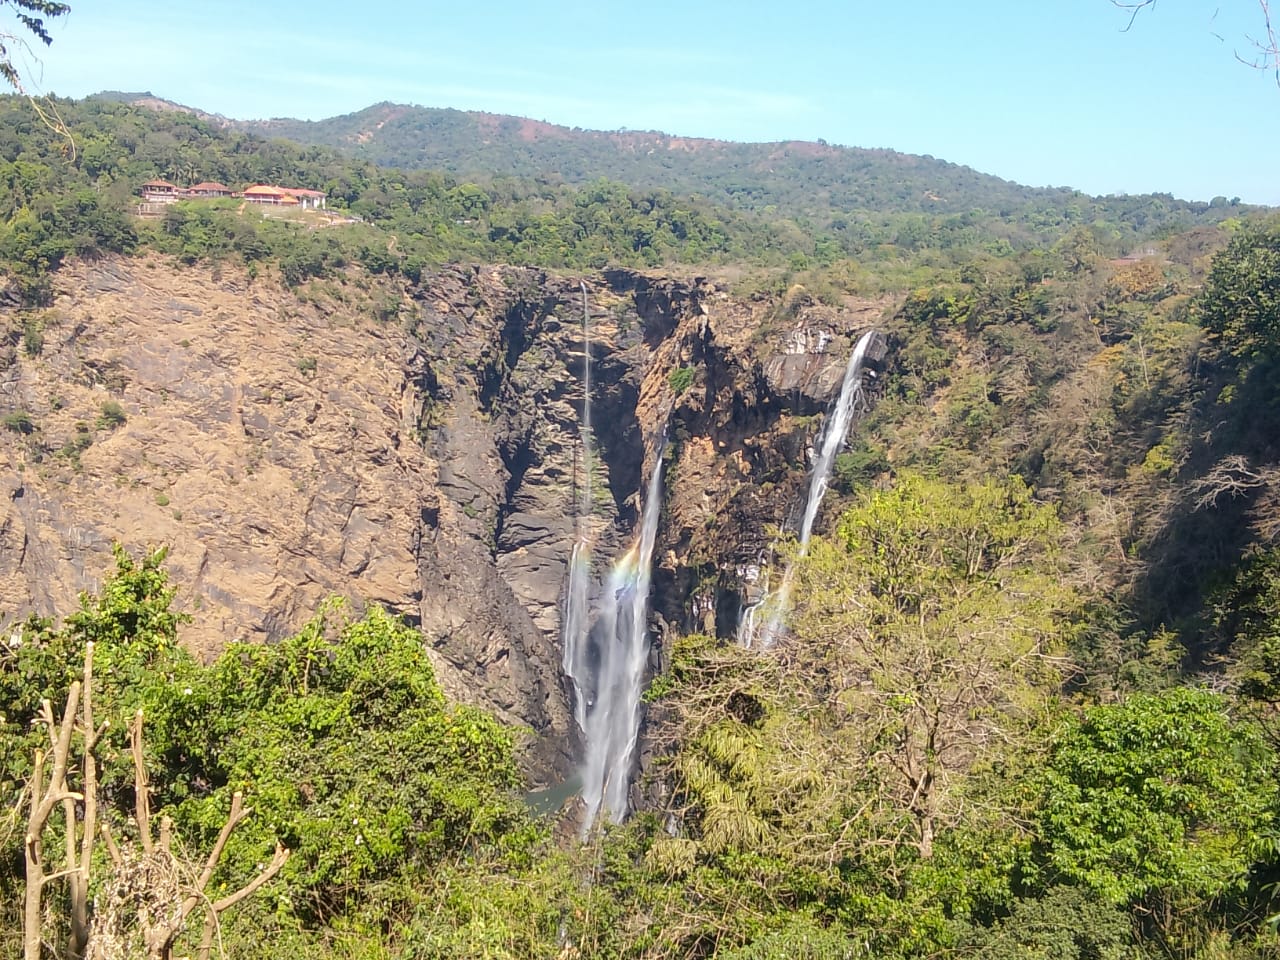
{"x": 680, "y": 379}
{"x": 33, "y": 336}
{"x": 20, "y": 422}
{"x": 81, "y": 441}
{"x": 110, "y": 415}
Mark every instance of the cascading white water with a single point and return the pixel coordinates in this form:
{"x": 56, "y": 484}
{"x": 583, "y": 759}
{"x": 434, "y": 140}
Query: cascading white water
{"x": 620, "y": 644}
{"x": 834, "y": 432}
{"x": 605, "y": 660}
{"x": 576, "y": 623}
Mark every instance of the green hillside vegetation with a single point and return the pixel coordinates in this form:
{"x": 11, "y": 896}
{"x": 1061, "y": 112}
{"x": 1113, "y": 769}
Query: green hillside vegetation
{"x": 74, "y": 196}
{"x": 1031, "y": 706}
{"x": 824, "y": 187}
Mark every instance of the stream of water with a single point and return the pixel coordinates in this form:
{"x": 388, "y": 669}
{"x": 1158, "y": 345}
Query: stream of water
{"x": 619, "y": 650}
{"x": 761, "y": 622}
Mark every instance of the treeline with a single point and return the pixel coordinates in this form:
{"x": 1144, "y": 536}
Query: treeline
{"x": 69, "y": 188}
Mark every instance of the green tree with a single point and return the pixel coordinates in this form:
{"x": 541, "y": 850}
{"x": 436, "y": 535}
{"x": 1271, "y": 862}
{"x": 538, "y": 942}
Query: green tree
{"x": 939, "y": 609}
{"x": 339, "y": 737}
{"x": 345, "y": 743}
{"x": 838, "y": 779}
{"x": 1240, "y": 304}
{"x": 1161, "y": 803}
{"x": 1246, "y": 619}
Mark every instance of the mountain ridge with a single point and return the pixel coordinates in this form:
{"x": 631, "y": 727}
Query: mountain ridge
{"x": 799, "y": 177}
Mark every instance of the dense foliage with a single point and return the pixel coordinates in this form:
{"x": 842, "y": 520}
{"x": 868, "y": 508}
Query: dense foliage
{"x": 70, "y": 189}
{"x": 339, "y": 736}
{"x": 58, "y": 201}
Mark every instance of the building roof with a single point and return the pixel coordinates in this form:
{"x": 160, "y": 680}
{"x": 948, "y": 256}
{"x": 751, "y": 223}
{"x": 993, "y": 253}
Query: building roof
{"x": 161, "y": 183}
{"x": 210, "y": 185}
{"x": 302, "y": 192}
{"x": 262, "y": 190}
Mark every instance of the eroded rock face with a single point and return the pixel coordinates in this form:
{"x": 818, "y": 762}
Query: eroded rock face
{"x": 744, "y": 431}
{"x": 289, "y": 445}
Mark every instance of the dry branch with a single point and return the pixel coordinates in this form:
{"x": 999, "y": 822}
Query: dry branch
{"x": 44, "y": 798}
{"x": 1266, "y": 45}
{"x": 150, "y": 892}
{"x": 153, "y": 891}
{"x": 1231, "y": 476}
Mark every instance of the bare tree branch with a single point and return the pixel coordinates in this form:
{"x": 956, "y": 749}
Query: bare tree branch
{"x": 44, "y": 798}
{"x": 154, "y": 890}
{"x": 1135, "y": 7}
{"x": 1231, "y": 476}
{"x": 1266, "y": 45}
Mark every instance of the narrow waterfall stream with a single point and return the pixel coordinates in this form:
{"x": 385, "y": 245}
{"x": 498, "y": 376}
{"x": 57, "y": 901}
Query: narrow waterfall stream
{"x": 576, "y": 622}
{"x": 834, "y": 434}
{"x": 774, "y": 605}
{"x": 605, "y": 656}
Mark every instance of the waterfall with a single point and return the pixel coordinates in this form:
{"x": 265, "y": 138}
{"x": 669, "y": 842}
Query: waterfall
{"x": 605, "y": 657}
{"x": 832, "y": 439}
{"x": 587, "y": 458}
{"x": 833, "y": 435}
{"x": 576, "y": 622}
{"x": 620, "y": 644}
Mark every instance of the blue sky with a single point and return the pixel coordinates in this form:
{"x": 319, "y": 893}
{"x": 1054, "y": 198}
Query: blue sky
{"x": 1045, "y": 92}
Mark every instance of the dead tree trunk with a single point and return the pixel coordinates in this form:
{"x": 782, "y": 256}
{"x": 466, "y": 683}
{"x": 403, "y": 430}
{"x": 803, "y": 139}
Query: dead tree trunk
{"x": 79, "y": 835}
{"x": 160, "y": 923}
{"x": 160, "y": 916}
{"x": 44, "y": 798}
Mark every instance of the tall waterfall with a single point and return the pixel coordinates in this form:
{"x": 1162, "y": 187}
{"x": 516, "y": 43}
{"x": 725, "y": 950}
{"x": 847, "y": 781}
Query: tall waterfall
{"x": 620, "y": 646}
{"x": 834, "y": 432}
{"x": 577, "y": 608}
{"x": 605, "y": 658}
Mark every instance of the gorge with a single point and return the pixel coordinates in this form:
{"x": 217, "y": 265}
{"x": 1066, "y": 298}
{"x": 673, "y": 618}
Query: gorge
{"x": 449, "y": 467}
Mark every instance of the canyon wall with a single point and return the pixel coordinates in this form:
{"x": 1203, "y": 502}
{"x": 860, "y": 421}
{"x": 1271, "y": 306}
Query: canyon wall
{"x": 416, "y": 447}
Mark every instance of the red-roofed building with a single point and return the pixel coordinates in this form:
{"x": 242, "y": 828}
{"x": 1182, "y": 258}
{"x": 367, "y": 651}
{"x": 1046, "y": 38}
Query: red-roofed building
{"x": 310, "y": 199}
{"x": 161, "y": 191}
{"x": 261, "y": 193}
{"x": 285, "y": 196}
{"x": 209, "y": 189}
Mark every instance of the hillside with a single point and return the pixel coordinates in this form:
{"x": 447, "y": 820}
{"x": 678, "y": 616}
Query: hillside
{"x": 821, "y": 184}
{"x": 751, "y": 175}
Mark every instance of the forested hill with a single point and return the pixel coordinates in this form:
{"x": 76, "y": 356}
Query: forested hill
{"x": 798, "y": 175}
{"x": 815, "y": 181}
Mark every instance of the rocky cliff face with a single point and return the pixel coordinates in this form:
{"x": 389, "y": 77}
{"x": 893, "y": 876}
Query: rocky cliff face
{"x": 418, "y": 448}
